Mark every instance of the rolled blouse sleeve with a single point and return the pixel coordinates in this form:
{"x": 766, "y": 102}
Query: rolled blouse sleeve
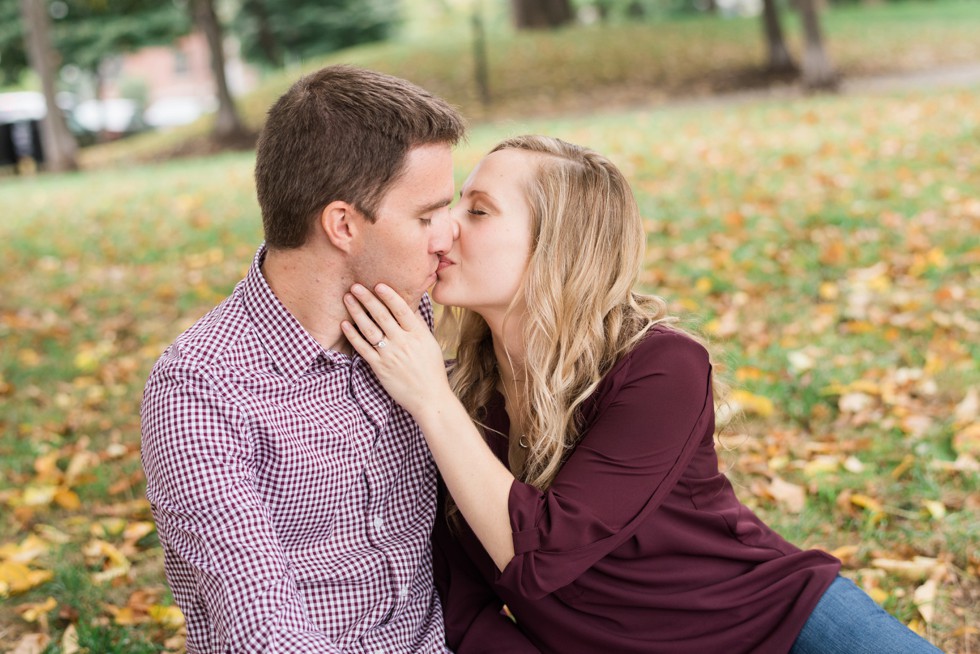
{"x": 652, "y": 412}
{"x": 475, "y": 623}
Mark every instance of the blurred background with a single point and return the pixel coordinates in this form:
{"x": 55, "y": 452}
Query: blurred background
{"x": 809, "y": 176}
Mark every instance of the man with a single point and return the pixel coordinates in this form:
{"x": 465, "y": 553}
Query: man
{"x": 293, "y": 499}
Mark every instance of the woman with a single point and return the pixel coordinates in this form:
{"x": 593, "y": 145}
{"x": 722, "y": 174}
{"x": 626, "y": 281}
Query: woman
{"x": 587, "y": 497}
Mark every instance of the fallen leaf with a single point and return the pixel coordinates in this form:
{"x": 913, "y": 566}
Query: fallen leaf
{"x": 966, "y": 441}
{"x": 969, "y": 408}
{"x": 920, "y": 567}
{"x": 31, "y": 644}
{"x": 168, "y": 616}
{"x": 751, "y": 403}
{"x": 866, "y": 502}
{"x": 33, "y": 611}
{"x": 791, "y": 496}
{"x": 925, "y": 599}
{"x": 935, "y": 509}
{"x": 69, "y": 641}
{"x": 18, "y": 578}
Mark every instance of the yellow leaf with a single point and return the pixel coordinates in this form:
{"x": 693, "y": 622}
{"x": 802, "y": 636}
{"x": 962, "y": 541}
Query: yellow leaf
{"x": 116, "y": 564}
{"x": 966, "y": 441}
{"x": 903, "y": 467}
{"x": 821, "y": 465}
{"x": 936, "y": 509}
{"x": 46, "y": 467}
{"x": 87, "y": 359}
{"x": 67, "y": 499}
{"x": 169, "y": 616}
{"x": 29, "y": 549}
{"x": 125, "y": 616}
{"x": 29, "y": 358}
{"x": 878, "y": 595}
{"x": 81, "y": 462}
{"x": 829, "y": 291}
{"x": 137, "y": 530}
{"x": 845, "y": 552}
{"x": 917, "y": 626}
{"x": 31, "y": 612}
{"x": 52, "y": 534}
{"x": 866, "y": 502}
{"x": 18, "y": 578}
{"x": 38, "y": 495}
{"x": 751, "y": 403}
{"x": 108, "y": 527}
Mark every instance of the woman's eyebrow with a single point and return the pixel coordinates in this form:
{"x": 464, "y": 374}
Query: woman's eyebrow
{"x": 474, "y": 191}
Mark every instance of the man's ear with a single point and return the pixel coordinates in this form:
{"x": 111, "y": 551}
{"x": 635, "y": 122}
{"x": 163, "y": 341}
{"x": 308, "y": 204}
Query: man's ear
{"x": 341, "y": 223}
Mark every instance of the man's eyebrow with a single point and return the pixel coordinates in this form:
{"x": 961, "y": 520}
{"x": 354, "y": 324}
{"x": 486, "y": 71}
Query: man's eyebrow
{"x": 438, "y": 204}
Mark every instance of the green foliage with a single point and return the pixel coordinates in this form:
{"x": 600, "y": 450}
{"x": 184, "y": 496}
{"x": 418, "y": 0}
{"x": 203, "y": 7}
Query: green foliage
{"x": 85, "y": 32}
{"x": 274, "y": 31}
{"x": 13, "y": 57}
{"x": 92, "y": 30}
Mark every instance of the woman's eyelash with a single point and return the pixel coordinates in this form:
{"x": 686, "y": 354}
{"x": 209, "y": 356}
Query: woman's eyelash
{"x": 476, "y": 212}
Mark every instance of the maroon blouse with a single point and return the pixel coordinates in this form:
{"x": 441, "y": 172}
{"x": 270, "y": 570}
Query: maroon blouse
{"x": 640, "y": 544}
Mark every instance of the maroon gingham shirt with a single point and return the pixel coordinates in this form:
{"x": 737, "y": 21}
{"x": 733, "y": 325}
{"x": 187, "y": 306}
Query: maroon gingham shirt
{"x": 293, "y": 499}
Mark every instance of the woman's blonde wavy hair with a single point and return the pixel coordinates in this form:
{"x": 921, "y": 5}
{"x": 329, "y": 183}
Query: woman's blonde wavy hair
{"x": 582, "y": 313}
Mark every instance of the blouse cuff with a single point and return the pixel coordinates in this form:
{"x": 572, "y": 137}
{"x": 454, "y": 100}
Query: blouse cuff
{"x": 523, "y": 504}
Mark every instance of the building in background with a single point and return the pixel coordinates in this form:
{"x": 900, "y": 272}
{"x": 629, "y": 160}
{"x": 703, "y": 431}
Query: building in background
{"x": 172, "y": 83}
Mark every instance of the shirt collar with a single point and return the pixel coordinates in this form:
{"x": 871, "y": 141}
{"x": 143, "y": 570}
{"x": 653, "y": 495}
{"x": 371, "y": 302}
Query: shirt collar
{"x": 292, "y": 349}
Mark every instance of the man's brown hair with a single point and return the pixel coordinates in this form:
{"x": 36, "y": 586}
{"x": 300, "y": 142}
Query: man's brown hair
{"x": 341, "y": 133}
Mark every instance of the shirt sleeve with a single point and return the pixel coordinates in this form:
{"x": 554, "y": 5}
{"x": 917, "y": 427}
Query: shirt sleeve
{"x": 472, "y": 611}
{"x": 653, "y": 413}
{"x": 223, "y": 558}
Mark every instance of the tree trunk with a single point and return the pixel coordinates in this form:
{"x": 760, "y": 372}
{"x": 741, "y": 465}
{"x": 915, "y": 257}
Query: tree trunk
{"x": 541, "y": 14}
{"x": 480, "y": 66}
{"x": 59, "y": 145}
{"x": 818, "y": 73}
{"x": 228, "y": 126}
{"x": 780, "y": 60}
{"x": 266, "y": 37}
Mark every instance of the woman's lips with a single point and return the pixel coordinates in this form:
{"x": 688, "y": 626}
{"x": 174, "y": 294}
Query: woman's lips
{"x": 444, "y": 263}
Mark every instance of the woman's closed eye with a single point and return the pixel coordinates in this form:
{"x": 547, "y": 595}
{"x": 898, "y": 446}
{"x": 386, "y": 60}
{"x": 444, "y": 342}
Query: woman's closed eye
{"x": 476, "y": 212}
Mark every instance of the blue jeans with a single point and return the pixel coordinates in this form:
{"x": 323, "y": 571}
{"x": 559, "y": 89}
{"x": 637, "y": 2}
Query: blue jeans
{"x": 847, "y": 621}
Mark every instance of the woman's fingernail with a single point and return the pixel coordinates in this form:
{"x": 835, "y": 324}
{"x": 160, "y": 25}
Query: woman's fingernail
{"x": 357, "y": 288}
{"x": 381, "y": 288}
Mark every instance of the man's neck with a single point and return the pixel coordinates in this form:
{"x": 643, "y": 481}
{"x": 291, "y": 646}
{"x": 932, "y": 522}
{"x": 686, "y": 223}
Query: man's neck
{"x": 311, "y": 287}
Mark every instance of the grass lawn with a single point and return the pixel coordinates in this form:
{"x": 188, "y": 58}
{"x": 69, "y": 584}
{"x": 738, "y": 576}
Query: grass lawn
{"x": 829, "y": 247}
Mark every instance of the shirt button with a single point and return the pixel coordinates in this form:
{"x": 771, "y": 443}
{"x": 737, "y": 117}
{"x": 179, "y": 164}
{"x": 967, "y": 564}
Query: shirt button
{"x": 403, "y": 591}
{"x": 378, "y": 522}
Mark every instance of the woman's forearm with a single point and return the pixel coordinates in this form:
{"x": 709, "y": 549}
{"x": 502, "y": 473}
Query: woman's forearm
{"x": 477, "y": 480}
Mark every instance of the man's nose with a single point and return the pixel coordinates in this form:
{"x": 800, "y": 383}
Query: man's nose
{"x": 446, "y": 231}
